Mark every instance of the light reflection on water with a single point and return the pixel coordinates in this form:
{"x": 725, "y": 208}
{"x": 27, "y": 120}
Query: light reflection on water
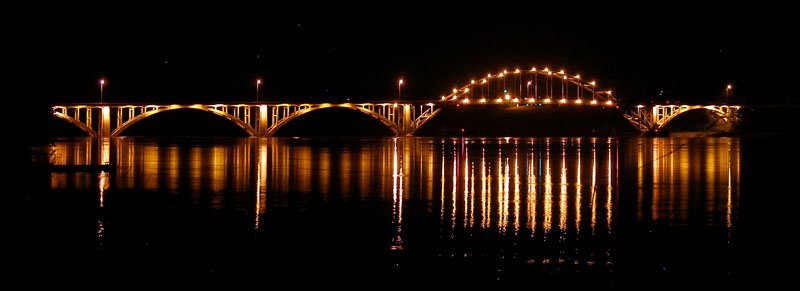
{"x": 551, "y": 202}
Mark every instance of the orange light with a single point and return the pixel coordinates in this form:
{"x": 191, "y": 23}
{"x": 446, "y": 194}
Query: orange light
{"x": 562, "y": 100}
{"x": 400, "y": 82}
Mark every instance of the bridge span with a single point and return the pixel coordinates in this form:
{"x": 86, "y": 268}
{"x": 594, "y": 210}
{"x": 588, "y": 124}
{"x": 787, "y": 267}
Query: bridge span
{"x": 506, "y": 88}
{"x": 257, "y": 119}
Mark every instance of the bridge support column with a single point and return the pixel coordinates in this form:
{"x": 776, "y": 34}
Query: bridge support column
{"x": 405, "y": 121}
{"x": 262, "y": 120}
{"x": 104, "y": 130}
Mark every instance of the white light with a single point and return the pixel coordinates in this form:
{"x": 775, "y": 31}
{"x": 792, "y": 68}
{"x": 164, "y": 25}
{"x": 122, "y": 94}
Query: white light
{"x": 579, "y": 101}
{"x": 400, "y": 82}
{"x": 508, "y": 96}
{"x": 516, "y": 71}
{"x": 483, "y": 100}
{"x": 455, "y": 90}
{"x": 516, "y": 100}
{"x": 466, "y": 100}
{"x": 609, "y": 102}
{"x": 594, "y": 102}
{"x": 562, "y": 100}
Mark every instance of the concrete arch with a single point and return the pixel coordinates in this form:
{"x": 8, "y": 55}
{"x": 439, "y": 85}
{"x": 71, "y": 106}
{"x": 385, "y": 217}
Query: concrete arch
{"x": 77, "y": 123}
{"x": 721, "y": 111}
{"x": 386, "y": 122}
{"x": 147, "y": 114}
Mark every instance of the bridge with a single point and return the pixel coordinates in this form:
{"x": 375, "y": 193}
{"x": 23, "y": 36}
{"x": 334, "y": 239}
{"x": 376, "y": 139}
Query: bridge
{"x": 518, "y": 87}
{"x": 658, "y": 116}
{"x": 257, "y": 119}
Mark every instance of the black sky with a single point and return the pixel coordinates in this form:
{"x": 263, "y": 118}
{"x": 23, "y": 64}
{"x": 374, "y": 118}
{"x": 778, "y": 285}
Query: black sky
{"x": 188, "y": 52}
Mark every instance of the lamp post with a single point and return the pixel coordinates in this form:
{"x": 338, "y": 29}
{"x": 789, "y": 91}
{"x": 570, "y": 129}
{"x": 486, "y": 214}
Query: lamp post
{"x": 102, "y": 82}
{"x": 399, "y": 89}
{"x": 728, "y": 92}
{"x": 258, "y": 83}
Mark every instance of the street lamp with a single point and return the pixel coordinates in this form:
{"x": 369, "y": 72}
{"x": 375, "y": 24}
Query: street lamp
{"x": 528, "y": 89}
{"x": 102, "y": 82}
{"x": 728, "y": 92}
{"x": 399, "y": 89}
{"x": 258, "y": 83}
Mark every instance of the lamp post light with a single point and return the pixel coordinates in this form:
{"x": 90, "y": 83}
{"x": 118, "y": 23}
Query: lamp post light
{"x": 728, "y": 92}
{"x": 258, "y": 84}
{"x": 102, "y": 82}
{"x": 528, "y": 89}
{"x": 399, "y": 89}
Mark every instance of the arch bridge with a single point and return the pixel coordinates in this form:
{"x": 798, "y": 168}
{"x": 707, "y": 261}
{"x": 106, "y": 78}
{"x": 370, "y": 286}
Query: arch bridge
{"x": 257, "y": 119}
{"x": 657, "y": 117}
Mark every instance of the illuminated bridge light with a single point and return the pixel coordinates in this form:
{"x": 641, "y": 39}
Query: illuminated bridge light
{"x": 508, "y": 96}
{"x": 465, "y": 101}
{"x": 531, "y": 100}
{"x": 547, "y": 100}
{"x": 455, "y": 90}
{"x": 483, "y": 100}
{"x": 594, "y": 102}
{"x": 499, "y": 100}
{"x": 516, "y": 71}
{"x": 443, "y": 97}
{"x": 579, "y": 101}
{"x": 562, "y": 101}
{"x": 516, "y": 100}
{"x": 609, "y": 102}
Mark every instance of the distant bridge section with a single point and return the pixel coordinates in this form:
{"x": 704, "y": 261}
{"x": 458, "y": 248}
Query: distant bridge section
{"x": 654, "y": 119}
{"x": 257, "y": 119}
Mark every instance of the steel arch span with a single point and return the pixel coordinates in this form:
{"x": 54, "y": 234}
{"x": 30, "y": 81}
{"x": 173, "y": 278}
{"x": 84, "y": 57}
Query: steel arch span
{"x": 534, "y": 86}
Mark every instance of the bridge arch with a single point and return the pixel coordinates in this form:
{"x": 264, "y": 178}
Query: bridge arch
{"x": 83, "y": 127}
{"x": 247, "y": 128}
{"x": 383, "y": 120}
{"x": 537, "y": 85}
{"x": 723, "y": 112}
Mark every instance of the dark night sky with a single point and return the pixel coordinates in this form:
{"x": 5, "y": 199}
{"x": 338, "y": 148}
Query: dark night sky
{"x": 189, "y": 52}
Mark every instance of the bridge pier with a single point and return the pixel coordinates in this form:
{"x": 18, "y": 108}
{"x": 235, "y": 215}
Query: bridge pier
{"x": 263, "y": 117}
{"x": 405, "y": 122}
{"x": 105, "y": 123}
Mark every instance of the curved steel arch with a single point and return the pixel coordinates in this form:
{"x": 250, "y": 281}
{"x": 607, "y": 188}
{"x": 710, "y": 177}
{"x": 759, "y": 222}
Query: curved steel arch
{"x": 144, "y": 115}
{"x": 277, "y": 126}
{"x": 80, "y": 125}
{"x": 715, "y": 109}
{"x": 562, "y": 75}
